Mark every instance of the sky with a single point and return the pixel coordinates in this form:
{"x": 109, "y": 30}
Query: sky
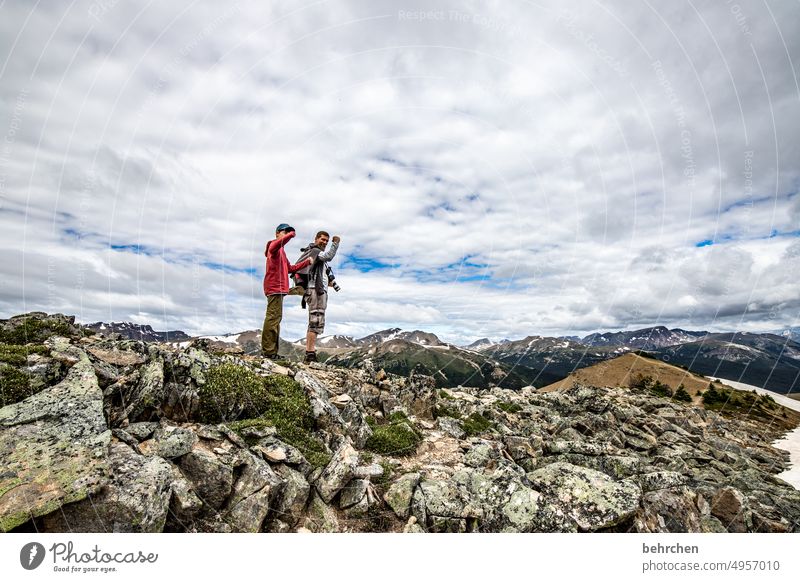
{"x": 494, "y": 169}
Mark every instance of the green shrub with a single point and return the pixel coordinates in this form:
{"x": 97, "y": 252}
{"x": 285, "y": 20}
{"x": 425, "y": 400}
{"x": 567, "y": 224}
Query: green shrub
{"x": 768, "y": 401}
{"x": 398, "y": 437}
{"x": 232, "y": 392}
{"x": 18, "y": 354}
{"x": 713, "y": 396}
{"x": 640, "y": 382}
{"x": 35, "y": 330}
{"x": 14, "y": 385}
{"x": 660, "y": 389}
{"x": 444, "y": 410}
{"x": 236, "y": 393}
{"x": 289, "y": 409}
{"x": 682, "y": 395}
{"x": 475, "y": 424}
{"x": 509, "y": 406}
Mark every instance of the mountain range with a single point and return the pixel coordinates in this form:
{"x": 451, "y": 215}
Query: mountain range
{"x": 136, "y": 331}
{"x": 769, "y": 360}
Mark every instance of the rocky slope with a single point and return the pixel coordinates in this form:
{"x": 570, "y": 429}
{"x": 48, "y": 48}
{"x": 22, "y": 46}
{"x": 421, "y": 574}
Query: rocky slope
{"x": 101, "y": 434}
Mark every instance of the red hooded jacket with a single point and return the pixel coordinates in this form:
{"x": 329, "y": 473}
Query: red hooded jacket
{"x": 276, "y": 279}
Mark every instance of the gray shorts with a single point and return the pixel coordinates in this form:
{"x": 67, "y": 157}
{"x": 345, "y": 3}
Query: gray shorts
{"x": 317, "y": 303}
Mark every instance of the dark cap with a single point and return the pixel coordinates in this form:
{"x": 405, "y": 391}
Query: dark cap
{"x": 283, "y": 226}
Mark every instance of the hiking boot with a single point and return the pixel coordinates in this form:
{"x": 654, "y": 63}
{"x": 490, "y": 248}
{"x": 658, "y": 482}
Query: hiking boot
{"x": 310, "y": 357}
{"x": 275, "y": 357}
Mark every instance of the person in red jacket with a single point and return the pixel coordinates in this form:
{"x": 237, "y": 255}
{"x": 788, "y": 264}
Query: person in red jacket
{"x": 276, "y": 286}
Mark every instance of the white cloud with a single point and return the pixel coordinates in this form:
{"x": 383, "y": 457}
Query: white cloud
{"x": 523, "y": 170}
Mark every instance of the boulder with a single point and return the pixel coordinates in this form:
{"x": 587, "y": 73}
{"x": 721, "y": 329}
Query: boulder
{"x": 338, "y": 472}
{"x": 353, "y": 493}
{"x": 254, "y": 492}
{"x": 728, "y": 506}
{"x": 668, "y": 511}
{"x": 591, "y": 498}
{"x": 144, "y": 401}
{"x": 522, "y": 509}
{"x": 295, "y": 494}
{"x": 184, "y": 506}
{"x": 211, "y": 479}
{"x": 181, "y": 401}
{"x": 451, "y": 426}
{"x": 53, "y": 448}
{"x": 418, "y": 395}
{"x": 135, "y": 499}
{"x": 171, "y": 442}
{"x": 320, "y": 517}
{"x": 326, "y": 415}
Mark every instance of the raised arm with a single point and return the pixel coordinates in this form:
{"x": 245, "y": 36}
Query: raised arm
{"x": 275, "y": 245}
{"x": 330, "y": 253}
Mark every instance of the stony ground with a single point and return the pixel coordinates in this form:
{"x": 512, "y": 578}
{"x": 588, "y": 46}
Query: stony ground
{"x": 103, "y": 434}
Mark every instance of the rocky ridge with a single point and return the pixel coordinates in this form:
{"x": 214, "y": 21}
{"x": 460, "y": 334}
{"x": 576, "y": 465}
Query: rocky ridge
{"x": 120, "y": 435}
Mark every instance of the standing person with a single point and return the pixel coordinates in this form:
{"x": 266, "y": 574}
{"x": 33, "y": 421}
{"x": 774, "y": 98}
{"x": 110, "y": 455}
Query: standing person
{"x": 315, "y": 283}
{"x": 276, "y": 285}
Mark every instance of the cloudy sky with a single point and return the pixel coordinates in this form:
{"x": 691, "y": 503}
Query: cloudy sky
{"x": 494, "y": 169}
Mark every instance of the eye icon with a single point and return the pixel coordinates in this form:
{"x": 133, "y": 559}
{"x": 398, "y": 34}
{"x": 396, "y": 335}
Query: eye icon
{"x": 31, "y": 555}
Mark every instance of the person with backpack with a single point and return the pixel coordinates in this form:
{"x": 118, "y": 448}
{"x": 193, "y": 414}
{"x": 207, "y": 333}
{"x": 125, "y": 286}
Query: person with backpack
{"x": 313, "y": 281}
{"x": 276, "y": 285}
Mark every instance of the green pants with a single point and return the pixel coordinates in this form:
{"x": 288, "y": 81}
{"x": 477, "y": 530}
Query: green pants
{"x": 271, "y": 331}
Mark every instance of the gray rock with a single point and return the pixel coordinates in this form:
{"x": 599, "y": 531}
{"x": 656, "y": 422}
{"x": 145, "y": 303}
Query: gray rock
{"x": 192, "y": 364}
{"x": 53, "y": 448}
{"x": 356, "y": 424}
{"x": 400, "y": 494}
{"x": 113, "y": 356}
{"x": 320, "y": 517}
{"x": 181, "y": 401}
{"x": 141, "y": 430}
{"x": 173, "y": 441}
{"x": 591, "y": 498}
{"x": 274, "y": 450}
{"x": 368, "y": 471}
{"x": 145, "y": 399}
{"x": 661, "y": 480}
{"x": 638, "y": 439}
{"x": 580, "y": 447}
{"x": 668, "y": 511}
{"x": 253, "y": 494}
{"x": 326, "y": 414}
{"x": 451, "y": 427}
{"x": 442, "y": 499}
{"x": 522, "y": 509}
{"x": 211, "y": 479}
{"x": 135, "y": 499}
{"x": 184, "y": 506}
{"x": 338, "y": 472}
{"x": 519, "y": 447}
{"x": 479, "y": 455}
{"x": 293, "y": 499}
{"x": 63, "y": 351}
{"x": 353, "y": 493}
{"x": 418, "y": 395}
{"x": 412, "y": 526}
{"x": 126, "y": 438}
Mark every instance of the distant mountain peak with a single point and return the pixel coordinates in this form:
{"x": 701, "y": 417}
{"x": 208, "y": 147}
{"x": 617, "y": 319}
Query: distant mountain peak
{"x": 136, "y": 331}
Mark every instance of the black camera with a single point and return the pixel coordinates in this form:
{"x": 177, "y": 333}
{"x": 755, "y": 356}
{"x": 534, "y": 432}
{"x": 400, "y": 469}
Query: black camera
{"x": 332, "y": 279}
